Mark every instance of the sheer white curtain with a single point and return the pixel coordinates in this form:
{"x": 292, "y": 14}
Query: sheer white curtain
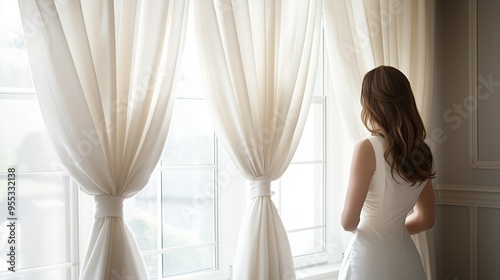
{"x": 104, "y": 73}
{"x": 361, "y": 35}
{"x": 259, "y": 60}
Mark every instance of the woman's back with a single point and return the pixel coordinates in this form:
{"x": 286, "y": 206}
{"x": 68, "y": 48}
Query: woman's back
{"x": 381, "y": 247}
{"x": 389, "y": 199}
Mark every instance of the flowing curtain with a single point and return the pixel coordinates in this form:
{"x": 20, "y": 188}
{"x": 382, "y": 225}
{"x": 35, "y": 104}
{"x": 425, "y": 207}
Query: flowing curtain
{"x": 104, "y": 72}
{"x": 361, "y": 35}
{"x": 259, "y": 60}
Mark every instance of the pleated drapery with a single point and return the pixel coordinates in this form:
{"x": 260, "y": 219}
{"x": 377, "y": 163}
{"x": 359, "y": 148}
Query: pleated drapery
{"x": 259, "y": 60}
{"x": 361, "y": 35}
{"x": 104, "y": 73}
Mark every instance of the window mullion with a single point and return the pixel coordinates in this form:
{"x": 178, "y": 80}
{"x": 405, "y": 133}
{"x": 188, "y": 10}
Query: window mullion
{"x": 159, "y": 199}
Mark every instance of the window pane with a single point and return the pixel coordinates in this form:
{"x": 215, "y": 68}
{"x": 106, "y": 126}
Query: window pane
{"x": 152, "y": 265}
{"x": 43, "y": 218}
{"x": 302, "y": 184}
{"x": 306, "y": 242}
{"x": 191, "y": 136}
{"x": 188, "y": 207}
{"x": 25, "y": 143}
{"x": 190, "y": 84}
{"x": 190, "y": 81}
{"x": 141, "y": 212}
{"x": 188, "y": 260}
{"x": 14, "y": 69}
{"x": 311, "y": 144}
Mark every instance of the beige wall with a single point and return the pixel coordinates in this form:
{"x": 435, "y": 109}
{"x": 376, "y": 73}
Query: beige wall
{"x": 467, "y": 229}
{"x": 453, "y": 91}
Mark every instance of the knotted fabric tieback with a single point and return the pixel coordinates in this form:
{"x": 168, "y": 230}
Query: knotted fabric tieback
{"x": 260, "y": 187}
{"x": 108, "y": 206}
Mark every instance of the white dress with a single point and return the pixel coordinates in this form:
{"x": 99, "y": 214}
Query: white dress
{"x": 381, "y": 248}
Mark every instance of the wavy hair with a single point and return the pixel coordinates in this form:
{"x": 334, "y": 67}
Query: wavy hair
{"x": 389, "y": 110}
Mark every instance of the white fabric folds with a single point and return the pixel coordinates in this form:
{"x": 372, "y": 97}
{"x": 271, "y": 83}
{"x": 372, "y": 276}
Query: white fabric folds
{"x": 361, "y": 35}
{"x": 104, "y": 74}
{"x": 259, "y": 60}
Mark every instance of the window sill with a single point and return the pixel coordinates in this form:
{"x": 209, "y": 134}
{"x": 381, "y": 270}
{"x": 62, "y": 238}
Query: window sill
{"x": 321, "y": 272}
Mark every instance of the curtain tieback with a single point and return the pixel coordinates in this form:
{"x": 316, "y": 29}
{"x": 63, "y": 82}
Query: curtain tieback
{"x": 260, "y": 187}
{"x": 108, "y": 206}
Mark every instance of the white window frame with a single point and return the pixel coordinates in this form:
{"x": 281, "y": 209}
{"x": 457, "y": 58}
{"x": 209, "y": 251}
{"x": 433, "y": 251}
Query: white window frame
{"x": 19, "y": 93}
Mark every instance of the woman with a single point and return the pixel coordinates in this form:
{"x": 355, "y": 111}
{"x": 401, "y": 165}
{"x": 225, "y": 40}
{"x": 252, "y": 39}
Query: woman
{"x": 391, "y": 174}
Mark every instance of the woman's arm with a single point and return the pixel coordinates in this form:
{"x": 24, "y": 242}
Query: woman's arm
{"x": 362, "y": 167}
{"x": 424, "y": 211}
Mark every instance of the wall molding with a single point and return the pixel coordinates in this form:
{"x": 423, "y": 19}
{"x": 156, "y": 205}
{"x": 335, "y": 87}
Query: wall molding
{"x": 474, "y": 197}
{"x": 474, "y": 160}
{"x": 468, "y": 195}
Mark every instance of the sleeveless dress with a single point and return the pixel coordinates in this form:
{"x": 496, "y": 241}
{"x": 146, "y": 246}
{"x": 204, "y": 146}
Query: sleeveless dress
{"x": 381, "y": 247}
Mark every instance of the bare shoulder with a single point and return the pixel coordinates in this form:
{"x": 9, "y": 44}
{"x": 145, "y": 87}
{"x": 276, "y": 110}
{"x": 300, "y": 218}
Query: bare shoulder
{"x": 364, "y": 155}
{"x": 364, "y": 149}
{"x": 364, "y": 146}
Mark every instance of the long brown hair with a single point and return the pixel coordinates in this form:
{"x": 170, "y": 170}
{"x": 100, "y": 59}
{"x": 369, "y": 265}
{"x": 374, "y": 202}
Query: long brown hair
{"x": 389, "y": 110}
